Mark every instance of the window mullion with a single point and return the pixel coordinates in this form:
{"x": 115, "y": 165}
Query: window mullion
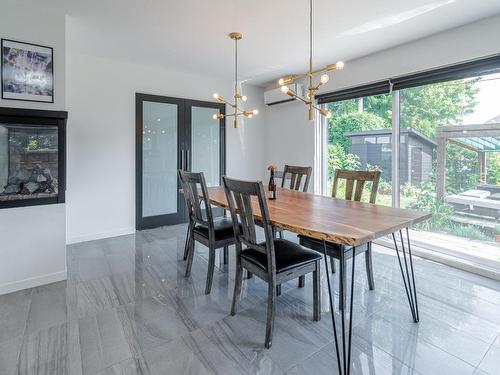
{"x": 395, "y": 148}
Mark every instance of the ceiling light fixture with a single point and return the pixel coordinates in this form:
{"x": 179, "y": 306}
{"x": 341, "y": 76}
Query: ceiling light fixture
{"x": 236, "y": 95}
{"x": 309, "y": 99}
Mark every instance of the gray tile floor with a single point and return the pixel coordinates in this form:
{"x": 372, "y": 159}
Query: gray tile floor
{"x": 126, "y": 308}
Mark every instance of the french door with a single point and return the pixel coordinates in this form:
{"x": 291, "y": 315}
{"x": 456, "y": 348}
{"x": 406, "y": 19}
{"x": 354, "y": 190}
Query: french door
{"x": 172, "y": 134}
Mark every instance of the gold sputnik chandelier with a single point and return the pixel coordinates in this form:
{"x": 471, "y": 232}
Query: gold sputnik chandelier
{"x": 311, "y": 89}
{"x": 238, "y": 111}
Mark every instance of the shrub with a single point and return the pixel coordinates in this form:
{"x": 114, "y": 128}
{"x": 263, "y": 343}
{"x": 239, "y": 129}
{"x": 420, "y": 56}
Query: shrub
{"x": 468, "y": 231}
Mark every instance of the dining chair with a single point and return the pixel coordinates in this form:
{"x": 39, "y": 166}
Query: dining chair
{"x": 214, "y": 233}
{"x": 355, "y": 182}
{"x": 274, "y": 260}
{"x": 296, "y": 175}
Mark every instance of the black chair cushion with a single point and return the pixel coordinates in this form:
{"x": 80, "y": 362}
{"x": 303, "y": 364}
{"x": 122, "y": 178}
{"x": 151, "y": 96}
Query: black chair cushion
{"x": 332, "y": 249}
{"x": 288, "y": 255}
{"x": 223, "y": 228}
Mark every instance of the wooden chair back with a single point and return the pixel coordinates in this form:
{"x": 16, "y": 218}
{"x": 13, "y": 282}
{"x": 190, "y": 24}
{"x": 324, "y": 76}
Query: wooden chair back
{"x": 239, "y": 196}
{"x": 192, "y": 183}
{"x": 296, "y": 176}
{"x": 355, "y": 182}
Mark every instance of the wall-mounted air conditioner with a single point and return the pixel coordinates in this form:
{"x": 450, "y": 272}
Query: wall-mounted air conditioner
{"x": 276, "y": 96}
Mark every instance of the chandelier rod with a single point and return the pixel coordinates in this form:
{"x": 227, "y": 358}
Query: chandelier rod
{"x": 235, "y": 66}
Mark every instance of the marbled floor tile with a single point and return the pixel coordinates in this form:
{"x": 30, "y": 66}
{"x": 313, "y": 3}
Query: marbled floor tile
{"x": 74, "y": 352}
{"x": 175, "y": 357}
{"x": 447, "y": 314}
{"x": 85, "y": 249}
{"x": 129, "y": 287}
{"x": 155, "y": 322}
{"x": 491, "y": 361}
{"x": 294, "y": 338}
{"x": 14, "y": 309}
{"x": 445, "y": 337}
{"x": 408, "y": 348}
{"x": 91, "y": 297}
{"x": 9, "y": 352}
{"x": 366, "y": 360}
{"x": 237, "y": 340}
{"x": 85, "y": 268}
{"x": 127, "y": 367}
{"x": 44, "y": 352}
{"x": 103, "y": 341}
{"x": 48, "y": 308}
{"x": 218, "y": 359}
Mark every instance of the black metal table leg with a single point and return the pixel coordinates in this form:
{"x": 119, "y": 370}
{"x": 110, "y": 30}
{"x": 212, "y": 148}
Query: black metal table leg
{"x": 344, "y": 364}
{"x": 407, "y": 273}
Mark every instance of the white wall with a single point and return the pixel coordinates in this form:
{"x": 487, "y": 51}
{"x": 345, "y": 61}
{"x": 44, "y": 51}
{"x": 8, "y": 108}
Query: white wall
{"x": 101, "y": 135}
{"x": 468, "y": 42}
{"x": 33, "y": 238}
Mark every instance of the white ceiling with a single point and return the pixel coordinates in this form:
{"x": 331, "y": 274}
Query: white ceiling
{"x": 190, "y": 35}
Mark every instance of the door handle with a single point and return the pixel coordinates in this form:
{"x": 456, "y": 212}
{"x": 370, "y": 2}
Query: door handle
{"x": 183, "y": 165}
{"x": 188, "y": 159}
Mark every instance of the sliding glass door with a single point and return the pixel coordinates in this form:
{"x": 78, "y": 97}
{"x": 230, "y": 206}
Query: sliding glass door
{"x": 449, "y": 164}
{"x": 445, "y": 160}
{"x": 173, "y": 134}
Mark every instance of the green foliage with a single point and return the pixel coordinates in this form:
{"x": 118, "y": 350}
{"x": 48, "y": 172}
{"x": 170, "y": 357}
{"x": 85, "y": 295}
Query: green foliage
{"x": 441, "y": 211}
{"x": 468, "y": 231}
{"x": 493, "y": 168}
{"x": 425, "y": 108}
{"x": 462, "y": 172}
{"x": 350, "y": 122}
{"x": 339, "y": 159}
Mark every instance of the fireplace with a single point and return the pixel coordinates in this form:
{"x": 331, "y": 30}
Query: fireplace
{"x": 32, "y": 157}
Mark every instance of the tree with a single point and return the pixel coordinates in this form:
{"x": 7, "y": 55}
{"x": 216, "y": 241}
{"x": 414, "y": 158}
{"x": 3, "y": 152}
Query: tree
{"x": 349, "y": 122}
{"x": 339, "y": 159}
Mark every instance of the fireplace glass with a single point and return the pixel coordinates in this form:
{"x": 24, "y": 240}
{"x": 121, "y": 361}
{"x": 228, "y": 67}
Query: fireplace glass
{"x": 29, "y": 166}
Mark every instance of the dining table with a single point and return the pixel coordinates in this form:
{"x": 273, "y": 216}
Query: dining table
{"x": 348, "y": 223}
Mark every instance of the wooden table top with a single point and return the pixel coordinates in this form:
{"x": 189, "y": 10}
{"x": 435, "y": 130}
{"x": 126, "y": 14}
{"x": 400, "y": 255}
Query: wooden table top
{"x": 334, "y": 220}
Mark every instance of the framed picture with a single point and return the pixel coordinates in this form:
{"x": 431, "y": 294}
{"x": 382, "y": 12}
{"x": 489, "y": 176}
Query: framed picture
{"x": 27, "y": 71}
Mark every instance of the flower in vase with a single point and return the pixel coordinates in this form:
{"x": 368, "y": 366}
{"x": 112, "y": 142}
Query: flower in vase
{"x": 272, "y": 168}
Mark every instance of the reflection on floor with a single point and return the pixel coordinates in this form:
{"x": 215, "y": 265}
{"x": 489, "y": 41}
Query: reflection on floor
{"x": 127, "y": 309}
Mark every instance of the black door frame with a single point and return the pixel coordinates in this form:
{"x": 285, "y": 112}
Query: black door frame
{"x": 184, "y": 159}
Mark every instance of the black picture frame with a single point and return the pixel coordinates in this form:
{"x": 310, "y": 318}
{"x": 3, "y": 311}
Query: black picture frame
{"x": 28, "y": 97}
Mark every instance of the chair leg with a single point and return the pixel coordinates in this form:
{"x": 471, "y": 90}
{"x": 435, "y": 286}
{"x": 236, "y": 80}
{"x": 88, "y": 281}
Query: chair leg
{"x": 278, "y": 290}
{"x": 369, "y": 266}
{"x": 343, "y": 282}
{"x": 226, "y": 254}
{"x": 317, "y": 292}
{"x": 237, "y": 286}
{"x": 302, "y": 281}
{"x": 281, "y": 234}
{"x": 249, "y": 275}
{"x": 271, "y": 308}
{"x": 332, "y": 264}
{"x": 190, "y": 255}
{"x": 211, "y": 268}
{"x": 186, "y": 245}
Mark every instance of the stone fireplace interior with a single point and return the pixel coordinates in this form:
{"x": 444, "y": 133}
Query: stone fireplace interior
{"x": 32, "y": 157}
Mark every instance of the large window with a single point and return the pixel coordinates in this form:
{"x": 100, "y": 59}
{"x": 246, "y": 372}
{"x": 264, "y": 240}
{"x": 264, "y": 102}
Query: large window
{"x": 359, "y": 138}
{"x": 446, "y": 160}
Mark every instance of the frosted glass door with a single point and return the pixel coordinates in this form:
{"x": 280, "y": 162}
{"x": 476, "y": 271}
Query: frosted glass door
{"x": 159, "y": 150}
{"x": 206, "y": 144}
{"x": 159, "y": 156}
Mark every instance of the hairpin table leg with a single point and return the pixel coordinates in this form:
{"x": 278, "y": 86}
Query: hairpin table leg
{"x": 406, "y": 267}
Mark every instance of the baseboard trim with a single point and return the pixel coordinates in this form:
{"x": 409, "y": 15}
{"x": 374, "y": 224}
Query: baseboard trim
{"x": 99, "y": 236}
{"x": 33, "y": 282}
